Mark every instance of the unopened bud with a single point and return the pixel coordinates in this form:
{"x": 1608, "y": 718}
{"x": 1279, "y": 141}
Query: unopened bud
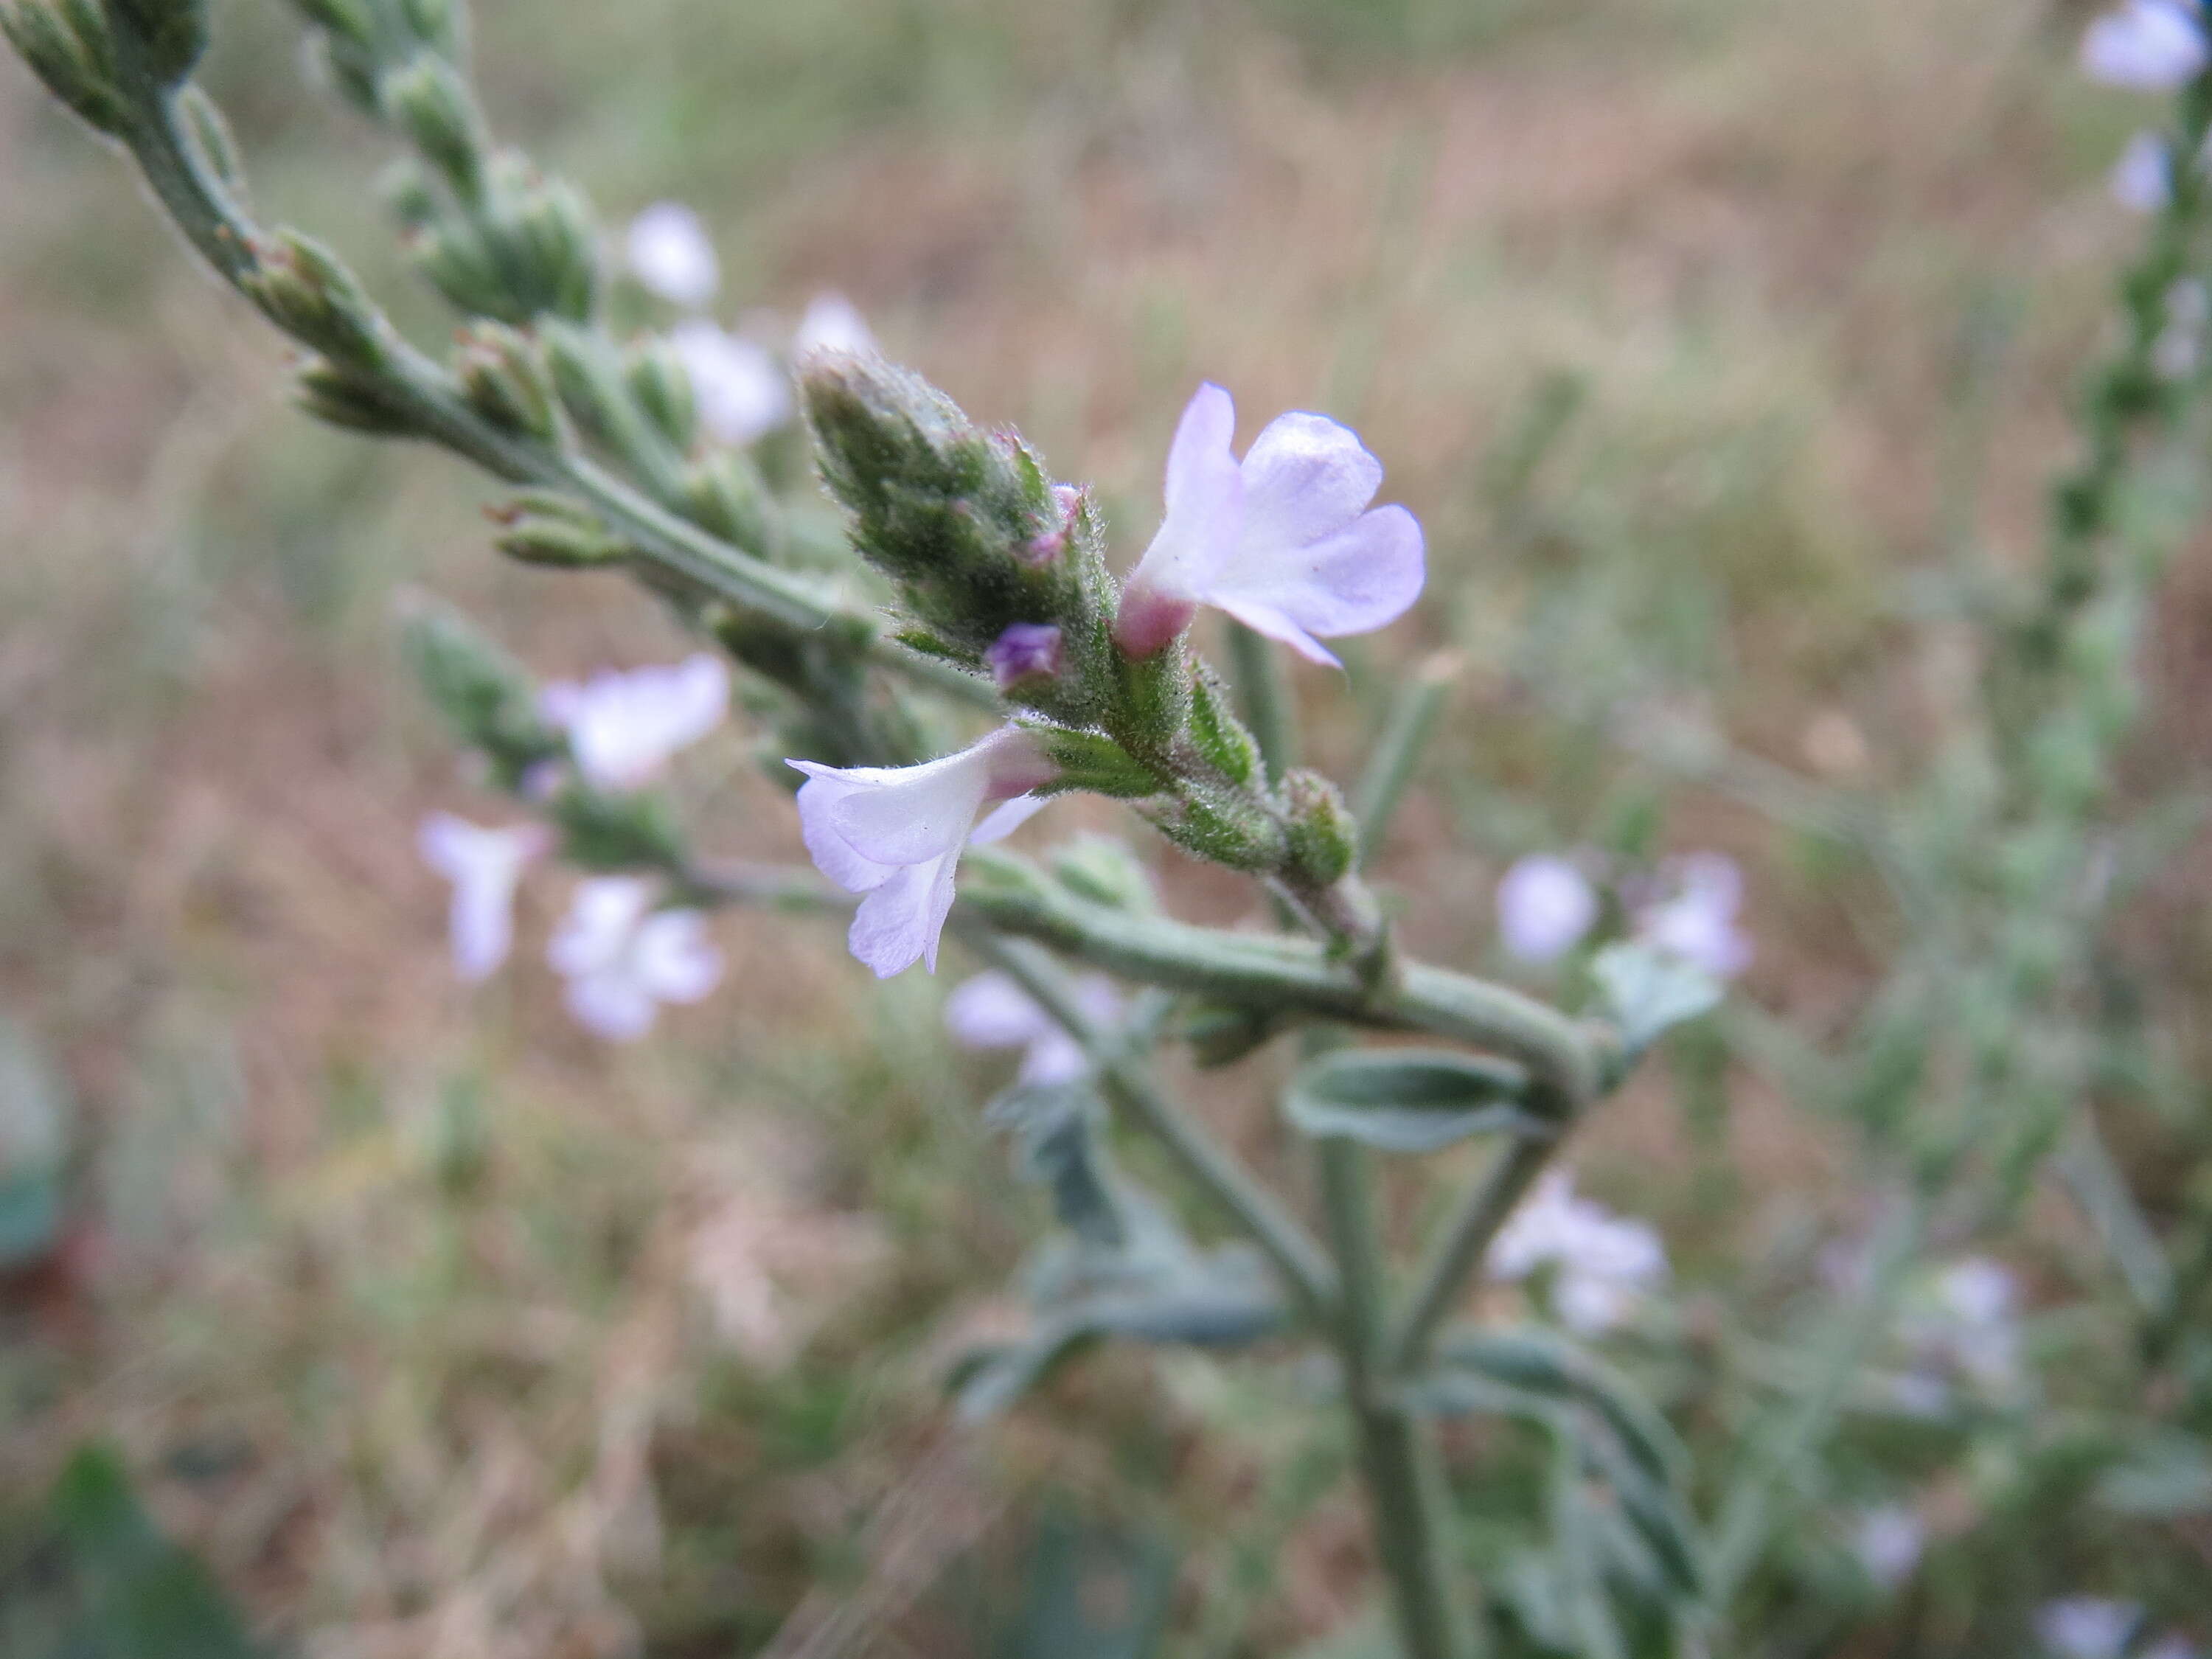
{"x": 663, "y": 390}
{"x": 548, "y": 531}
{"x": 211, "y": 137}
{"x": 1227, "y": 831}
{"x": 1324, "y": 838}
{"x": 341, "y": 396}
{"x": 1024, "y": 651}
{"x": 407, "y": 194}
{"x": 66, "y": 44}
{"x": 301, "y": 286}
{"x": 1219, "y": 735}
{"x": 505, "y": 380}
{"x": 348, "y": 18}
{"x": 435, "y": 23}
{"x": 173, "y": 34}
{"x": 555, "y": 238}
{"x": 426, "y": 97}
{"x": 723, "y": 493}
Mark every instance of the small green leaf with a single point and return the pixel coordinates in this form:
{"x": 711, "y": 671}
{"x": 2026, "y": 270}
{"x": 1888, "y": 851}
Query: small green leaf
{"x": 1647, "y": 991}
{"x": 1409, "y": 1100}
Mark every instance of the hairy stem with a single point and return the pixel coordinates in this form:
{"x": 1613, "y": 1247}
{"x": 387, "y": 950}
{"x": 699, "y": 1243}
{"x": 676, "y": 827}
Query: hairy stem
{"x": 1408, "y": 1506}
{"x": 1460, "y": 1249}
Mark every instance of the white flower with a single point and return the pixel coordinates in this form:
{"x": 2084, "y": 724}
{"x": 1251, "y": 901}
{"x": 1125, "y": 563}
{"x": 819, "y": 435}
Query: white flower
{"x": 1888, "y": 1541}
{"x": 1545, "y": 906}
{"x": 485, "y": 866}
{"x": 2087, "y": 1626}
{"x": 2179, "y": 348}
{"x": 894, "y": 832}
{"x": 1282, "y": 541}
{"x": 742, "y": 391}
{"x": 622, "y": 726}
{"x": 1697, "y": 920}
{"x": 991, "y": 1012}
{"x": 832, "y": 323}
{"x": 2143, "y": 179}
{"x": 2147, "y": 45}
{"x": 622, "y": 959}
{"x": 1964, "y": 1320}
{"x": 1603, "y": 1261}
{"x": 669, "y": 254}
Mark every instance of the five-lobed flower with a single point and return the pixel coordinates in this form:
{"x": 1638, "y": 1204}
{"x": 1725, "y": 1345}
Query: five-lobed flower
{"x": 896, "y": 834}
{"x": 1602, "y": 1262}
{"x": 991, "y": 1012}
{"x": 1283, "y": 540}
{"x": 668, "y": 251}
{"x": 2147, "y": 45}
{"x": 485, "y": 866}
{"x": 622, "y": 959}
{"x": 1546, "y": 907}
{"x": 622, "y": 726}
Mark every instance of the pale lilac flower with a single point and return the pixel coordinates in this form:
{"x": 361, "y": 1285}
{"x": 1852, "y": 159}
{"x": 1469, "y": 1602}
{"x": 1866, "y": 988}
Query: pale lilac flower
{"x": 2147, "y": 45}
{"x": 2087, "y": 1626}
{"x": 1964, "y": 1320}
{"x": 742, "y": 391}
{"x": 896, "y": 833}
{"x": 622, "y": 959}
{"x": 1888, "y": 1541}
{"x": 622, "y": 726}
{"x": 2174, "y": 1646}
{"x": 833, "y": 323}
{"x": 2142, "y": 178}
{"x": 485, "y": 866}
{"x": 1545, "y": 907}
{"x": 991, "y": 1012}
{"x": 1025, "y": 649}
{"x": 669, "y": 253}
{"x": 1282, "y": 541}
{"x": 1602, "y": 1262}
{"x": 1697, "y": 920}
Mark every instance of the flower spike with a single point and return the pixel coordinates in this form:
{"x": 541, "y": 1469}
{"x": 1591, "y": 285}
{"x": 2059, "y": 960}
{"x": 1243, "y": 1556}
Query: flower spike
{"x": 1284, "y": 540}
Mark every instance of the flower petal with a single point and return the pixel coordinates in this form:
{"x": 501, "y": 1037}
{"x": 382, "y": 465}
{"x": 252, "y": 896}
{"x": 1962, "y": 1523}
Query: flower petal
{"x": 611, "y": 1004}
{"x": 1305, "y": 478}
{"x": 919, "y": 813}
{"x": 898, "y": 924}
{"x": 1205, "y": 500}
{"x": 669, "y": 253}
{"x": 1007, "y": 818}
{"x": 602, "y": 915}
{"x": 672, "y": 957}
{"x": 832, "y": 853}
{"x": 1361, "y": 577}
{"x": 991, "y": 1012}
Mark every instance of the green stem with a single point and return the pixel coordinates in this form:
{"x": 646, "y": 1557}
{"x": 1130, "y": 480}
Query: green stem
{"x": 1408, "y": 1506}
{"x": 1398, "y": 748}
{"x": 1128, "y": 1086}
{"x": 1269, "y": 705}
{"x": 1460, "y": 1251}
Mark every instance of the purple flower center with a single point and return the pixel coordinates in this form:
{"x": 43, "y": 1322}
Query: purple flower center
{"x": 1024, "y": 650}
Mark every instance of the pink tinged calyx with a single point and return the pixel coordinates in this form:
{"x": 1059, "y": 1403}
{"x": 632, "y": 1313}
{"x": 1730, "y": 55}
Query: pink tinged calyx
{"x": 1283, "y": 540}
{"x": 1024, "y": 651}
{"x": 896, "y": 834}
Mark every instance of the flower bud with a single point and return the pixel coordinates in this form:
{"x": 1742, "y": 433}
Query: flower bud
{"x": 554, "y": 246}
{"x": 548, "y": 529}
{"x": 343, "y": 397}
{"x": 408, "y": 196}
{"x": 348, "y": 18}
{"x": 211, "y": 137}
{"x": 436, "y": 23}
{"x": 172, "y": 33}
{"x": 427, "y": 99}
{"x": 505, "y": 380}
{"x": 66, "y": 44}
{"x": 590, "y": 385}
{"x": 662, "y": 391}
{"x": 1090, "y": 761}
{"x": 723, "y": 493}
{"x": 1324, "y": 839}
{"x": 1217, "y": 732}
{"x": 1225, "y": 829}
{"x": 301, "y": 286}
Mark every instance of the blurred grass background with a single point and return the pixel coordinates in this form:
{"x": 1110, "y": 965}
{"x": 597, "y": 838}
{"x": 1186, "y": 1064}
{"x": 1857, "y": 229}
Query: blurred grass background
{"x": 1692, "y": 329}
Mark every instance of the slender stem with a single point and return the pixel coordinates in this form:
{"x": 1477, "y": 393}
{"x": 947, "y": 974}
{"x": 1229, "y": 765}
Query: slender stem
{"x": 1571, "y": 1060}
{"x": 1398, "y": 746}
{"x": 1408, "y": 1504}
{"x": 1460, "y": 1250}
{"x": 1269, "y": 704}
{"x": 1128, "y": 1086}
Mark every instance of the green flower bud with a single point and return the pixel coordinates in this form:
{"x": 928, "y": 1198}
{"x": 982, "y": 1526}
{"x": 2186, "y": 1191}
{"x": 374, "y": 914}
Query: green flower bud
{"x": 723, "y": 493}
{"x": 210, "y": 136}
{"x": 1227, "y": 830}
{"x": 435, "y": 23}
{"x": 408, "y": 195}
{"x": 427, "y": 99}
{"x": 591, "y": 386}
{"x": 66, "y": 44}
{"x": 659, "y": 388}
{"x": 1095, "y": 763}
{"x": 1220, "y": 737}
{"x": 343, "y": 397}
{"x": 454, "y": 258}
{"x": 301, "y": 286}
{"x": 554, "y": 245}
{"x": 1324, "y": 839}
{"x": 548, "y": 529}
{"x": 348, "y": 18}
{"x": 505, "y": 380}
{"x": 172, "y": 33}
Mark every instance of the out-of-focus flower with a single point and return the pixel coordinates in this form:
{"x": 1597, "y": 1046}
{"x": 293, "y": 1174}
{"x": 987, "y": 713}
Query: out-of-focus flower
{"x": 2179, "y": 349}
{"x": 485, "y": 866}
{"x": 1603, "y": 1261}
{"x": 991, "y": 1012}
{"x": 1697, "y": 920}
{"x": 669, "y": 253}
{"x": 2147, "y": 45}
{"x": 1962, "y": 1321}
{"x": 742, "y": 391}
{"x": 896, "y": 833}
{"x": 832, "y": 323}
{"x": 2142, "y": 178}
{"x": 1283, "y": 541}
{"x": 1889, "y": 1540}
{"x": 622, "y": 959}
{"x": 1545, "y": 907}
{"x": 622, "y": 726}
{"x": 2087, "y": 1626}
